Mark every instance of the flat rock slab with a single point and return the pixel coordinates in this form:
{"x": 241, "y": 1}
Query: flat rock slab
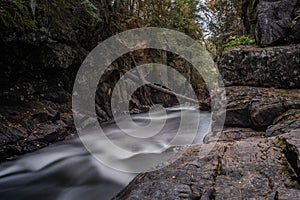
{"x": 231, "y": 134}
{"x": 256, "y": 168}
{"x": 261, "y": 67}
{"x": 257, "y": 108}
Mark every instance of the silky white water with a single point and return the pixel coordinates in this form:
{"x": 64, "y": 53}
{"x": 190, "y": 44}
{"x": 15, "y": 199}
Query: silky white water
{"x": 67, "y": 171}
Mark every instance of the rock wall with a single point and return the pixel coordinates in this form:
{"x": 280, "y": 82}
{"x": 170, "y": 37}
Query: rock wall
{"x": 277, "y": 67}
{"x": 272, "y": 22}
{"x": 42, "y": 45}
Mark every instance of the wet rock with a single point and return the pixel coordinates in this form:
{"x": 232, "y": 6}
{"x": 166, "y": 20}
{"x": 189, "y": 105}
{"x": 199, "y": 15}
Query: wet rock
{"x": 180, "y": 180}
{"x": 250, "y": 169}
{"x": 277, "y": 67}
{"x": 51, "y": 132}
{"x": 11, "y": 133}
{"x": 257, "y": 108}
{"x": 32, "y": 126}
{"x": 45, "y": 116}
{"x": 286, "y": 122}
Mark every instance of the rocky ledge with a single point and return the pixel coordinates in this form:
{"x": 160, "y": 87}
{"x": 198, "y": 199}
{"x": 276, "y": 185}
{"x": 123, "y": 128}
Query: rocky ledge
{"x": 265, "y": 168}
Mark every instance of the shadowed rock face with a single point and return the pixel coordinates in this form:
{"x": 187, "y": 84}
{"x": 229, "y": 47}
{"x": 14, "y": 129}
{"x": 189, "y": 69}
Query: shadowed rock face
{"x": 272, "y": 22}
{"x": 261, "y": 67}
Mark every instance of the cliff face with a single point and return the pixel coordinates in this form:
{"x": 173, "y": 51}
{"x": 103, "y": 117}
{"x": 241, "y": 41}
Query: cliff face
{"x": 42, "y": 44}
{"x": 272, "y": 22}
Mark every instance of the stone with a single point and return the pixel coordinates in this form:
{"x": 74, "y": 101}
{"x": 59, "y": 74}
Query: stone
{"x": 272, "y": 22}
{"x": 254, "y": 168}
{"x": 10, "y": 133}
{"x": 257, "y": 108}
{"x": 45, "y": 116}
{"x": 291, "y": 142}
{"x": 231, "y": 134}
{"x": 277, "y": 67}
{"x": 286, "y": 122}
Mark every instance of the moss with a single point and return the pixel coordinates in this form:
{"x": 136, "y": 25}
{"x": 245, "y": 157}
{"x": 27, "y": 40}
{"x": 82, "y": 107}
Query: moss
{"x": 236, "y": 41}
{"x": 280, "y": 142}
{"x": 16, "y": 16}
{"x": 282, "y": 91}
{"x": 287, "y": 170}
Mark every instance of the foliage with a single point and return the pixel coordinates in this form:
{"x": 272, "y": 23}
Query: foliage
{"x": 220, "y": 19}
{"x": 235, "y": 41}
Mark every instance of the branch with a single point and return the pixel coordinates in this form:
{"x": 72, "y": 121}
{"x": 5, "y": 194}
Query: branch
{"x": 159, "y": 88}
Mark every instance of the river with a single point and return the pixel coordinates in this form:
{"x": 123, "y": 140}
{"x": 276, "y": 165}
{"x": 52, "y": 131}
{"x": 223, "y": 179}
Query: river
{"x": 67, "y": 171}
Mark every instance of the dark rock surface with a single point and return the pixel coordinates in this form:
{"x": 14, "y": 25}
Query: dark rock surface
{"x": 248, "y": 169}
{"x": 277, "y": 67}
{"x": 257, "y": 108}
{"x": 42, "y": 45}
{"x": 286, "y": 122}
{"x": 32, "y": 126}
{"x": 272, "y": 21}
{"x": 231, "y": 134}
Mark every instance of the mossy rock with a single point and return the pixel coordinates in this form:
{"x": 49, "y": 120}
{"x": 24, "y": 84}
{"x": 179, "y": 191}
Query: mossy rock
{"x": 15, "y": 17}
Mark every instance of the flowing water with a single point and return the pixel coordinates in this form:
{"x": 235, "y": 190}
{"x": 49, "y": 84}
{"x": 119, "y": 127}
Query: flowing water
{"x": 67, "y": 171}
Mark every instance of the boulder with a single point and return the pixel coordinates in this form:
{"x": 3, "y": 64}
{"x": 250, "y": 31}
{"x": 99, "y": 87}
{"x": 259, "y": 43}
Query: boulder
{"x": 277, "y": 67}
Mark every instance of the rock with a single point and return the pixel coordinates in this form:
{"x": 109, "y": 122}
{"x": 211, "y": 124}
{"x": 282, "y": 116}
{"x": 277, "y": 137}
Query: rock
{"x": 45, "y": 116}
{"x": 254, "y": 168}
{"x": 11, "y": 133}
{"x": 257, "y": 108}
{"x": 231, "y": 134}
{"x": 49, "y": 132}
{"x": 42, "y": 51}
{"x": 291, "y": 142}
{"x": 277, "y": 67}
{"x": 32, "y": 126}
{"x": 272, "y": 22}
{"x": 286, "y": 122}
